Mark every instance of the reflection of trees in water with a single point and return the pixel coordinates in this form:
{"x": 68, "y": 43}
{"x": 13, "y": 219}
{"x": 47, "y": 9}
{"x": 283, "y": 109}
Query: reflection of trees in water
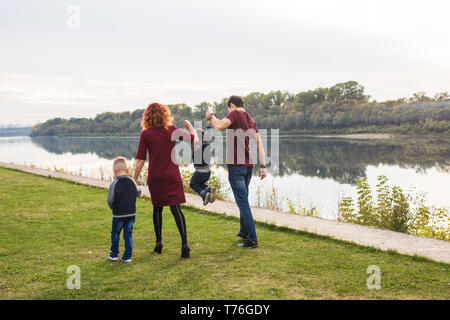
{"x": 320, "y": 158}
{"x": 340, "y": 159}
{"x": 346, "y": 160}
{"x": 108, "y": 148}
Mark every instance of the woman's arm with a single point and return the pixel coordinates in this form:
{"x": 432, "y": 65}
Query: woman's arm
{"x": 141, "y": 155}
{"x": 137, "y": 170}
{"x": 188, "y": 126}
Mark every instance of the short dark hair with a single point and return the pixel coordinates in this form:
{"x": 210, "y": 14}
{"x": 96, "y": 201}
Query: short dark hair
{"x": 237, "y": 101}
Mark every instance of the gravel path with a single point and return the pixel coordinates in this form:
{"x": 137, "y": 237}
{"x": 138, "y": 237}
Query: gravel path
{"x": 438, "y": 250}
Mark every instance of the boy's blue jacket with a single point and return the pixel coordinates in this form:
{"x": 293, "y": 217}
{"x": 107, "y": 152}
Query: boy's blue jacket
{"x": 122, "y": 195}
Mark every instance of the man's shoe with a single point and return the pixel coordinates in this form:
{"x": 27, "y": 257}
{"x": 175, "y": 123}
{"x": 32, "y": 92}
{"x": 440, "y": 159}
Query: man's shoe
{"x": 112, "y": 257}
{"x": 249, "y": 244}
{"x": 125, "y": 260}
{"x": 213, "y": 195}
{"x": 207, "y": 198}
{"x": 241, "y": 235}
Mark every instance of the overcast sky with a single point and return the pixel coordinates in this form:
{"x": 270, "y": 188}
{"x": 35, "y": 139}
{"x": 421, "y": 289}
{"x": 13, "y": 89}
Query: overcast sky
{"x": 125, "y": 54}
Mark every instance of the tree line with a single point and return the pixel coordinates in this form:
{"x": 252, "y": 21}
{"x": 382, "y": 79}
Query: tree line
{"x": 342, "y": 108}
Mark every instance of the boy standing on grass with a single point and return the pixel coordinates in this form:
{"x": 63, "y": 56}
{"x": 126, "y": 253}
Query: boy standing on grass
{"x": 122, "y": 195}
{"x": 201, "y": 155}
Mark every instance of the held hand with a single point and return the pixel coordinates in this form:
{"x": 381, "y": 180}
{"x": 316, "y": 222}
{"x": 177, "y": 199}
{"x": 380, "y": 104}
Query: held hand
{"x": 187, "y": 124}
{"x": 262, "y": 173}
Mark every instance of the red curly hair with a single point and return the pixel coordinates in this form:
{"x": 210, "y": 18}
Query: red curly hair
{"x": 156, "y": 115}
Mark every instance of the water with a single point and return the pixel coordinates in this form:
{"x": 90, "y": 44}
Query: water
{"x": 312, "y": 171}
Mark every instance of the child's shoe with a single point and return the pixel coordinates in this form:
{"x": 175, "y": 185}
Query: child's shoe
{"x": 207, "y": 198}
{"x": 112, "y": 257}
{"x": 213, "y": 195}
{"x": 125, "y": 260}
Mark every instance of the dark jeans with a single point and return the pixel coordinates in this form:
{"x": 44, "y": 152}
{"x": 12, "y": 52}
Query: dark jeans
{"x": 127, "y": 225}
{"x": 239, "y": 178}
{"x": 198, "y": 183}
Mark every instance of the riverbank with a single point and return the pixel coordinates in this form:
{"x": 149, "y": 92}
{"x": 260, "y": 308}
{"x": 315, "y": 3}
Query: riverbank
{"x": 48, "y": 225}
{"x": 434, "y": 249}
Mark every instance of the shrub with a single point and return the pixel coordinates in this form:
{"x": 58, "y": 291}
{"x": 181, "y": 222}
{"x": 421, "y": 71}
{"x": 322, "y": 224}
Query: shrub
{"x": 268, "y": 198}
{"x": 395, "y": 210}
{"x": 300, "y": 209}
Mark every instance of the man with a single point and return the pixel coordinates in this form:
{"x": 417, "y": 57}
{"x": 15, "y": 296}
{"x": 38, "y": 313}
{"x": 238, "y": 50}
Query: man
{"x": 240, "y": 128}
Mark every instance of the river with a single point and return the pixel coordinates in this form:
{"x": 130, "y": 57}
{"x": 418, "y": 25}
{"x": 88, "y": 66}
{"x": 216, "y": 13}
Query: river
{"x": 312, "y": 171}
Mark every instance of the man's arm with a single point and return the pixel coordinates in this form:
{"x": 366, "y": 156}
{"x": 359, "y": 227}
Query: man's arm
{"x": 137, "y": 171}
{"x": 218, "y": 124}
{"x": 262, "y": 157}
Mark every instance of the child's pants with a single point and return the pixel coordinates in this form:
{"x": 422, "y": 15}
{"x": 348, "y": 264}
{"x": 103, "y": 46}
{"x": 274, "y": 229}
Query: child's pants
{"x": 127, "y": 225}
{"x": 198, "y": 183}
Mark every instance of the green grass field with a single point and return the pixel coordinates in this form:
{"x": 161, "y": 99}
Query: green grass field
{"x": 46, "y": 225}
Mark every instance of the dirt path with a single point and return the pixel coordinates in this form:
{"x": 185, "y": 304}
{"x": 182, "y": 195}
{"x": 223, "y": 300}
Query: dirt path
{"x": 438, "y": 250}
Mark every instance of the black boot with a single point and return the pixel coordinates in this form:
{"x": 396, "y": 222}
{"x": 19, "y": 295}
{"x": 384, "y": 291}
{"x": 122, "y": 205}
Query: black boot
{"x": 185, "y": 251}
{"x": 250, "y": 244}
{"x": 241, "y": 235}
{"x": 158, "y": 247}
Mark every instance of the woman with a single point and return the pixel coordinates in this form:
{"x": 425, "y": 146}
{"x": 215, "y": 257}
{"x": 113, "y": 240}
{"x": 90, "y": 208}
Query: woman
{"x": 159, "y": 137}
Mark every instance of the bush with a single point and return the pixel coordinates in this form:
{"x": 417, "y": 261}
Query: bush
{"x": 300, "y": 209}
{"x": 395, "y": 210}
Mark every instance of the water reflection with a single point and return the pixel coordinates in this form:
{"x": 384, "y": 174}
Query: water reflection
{"x": 342, "y": 160}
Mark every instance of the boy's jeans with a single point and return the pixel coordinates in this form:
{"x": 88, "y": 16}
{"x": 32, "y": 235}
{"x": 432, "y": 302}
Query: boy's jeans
{"x": 198, "y": 183}
{"x": 239, "y": 178}
{"x": 127, "y": 225}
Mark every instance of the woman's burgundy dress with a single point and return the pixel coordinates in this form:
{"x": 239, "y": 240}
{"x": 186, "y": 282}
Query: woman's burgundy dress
{"x": 164, "y": 179}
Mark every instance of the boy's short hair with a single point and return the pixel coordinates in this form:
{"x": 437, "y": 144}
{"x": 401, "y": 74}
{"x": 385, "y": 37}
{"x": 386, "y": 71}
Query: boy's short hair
{"x": 120, "y": 163}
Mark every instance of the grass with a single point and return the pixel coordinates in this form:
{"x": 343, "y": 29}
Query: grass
{"x": 46, "y": 225}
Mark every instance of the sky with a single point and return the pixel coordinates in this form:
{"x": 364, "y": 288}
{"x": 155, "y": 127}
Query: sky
{"x": 79, "y": 58}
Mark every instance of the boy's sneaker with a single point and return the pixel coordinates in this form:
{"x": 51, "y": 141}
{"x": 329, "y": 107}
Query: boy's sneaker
{"x": 112, "y": 257}
{"x": 207, "y": 198}
{"x": 213, "y": 195}
{"x": 125, "y": 260}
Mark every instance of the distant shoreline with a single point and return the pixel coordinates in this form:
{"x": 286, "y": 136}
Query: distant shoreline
{"x": 363, "y": 136}
{"x": 355, "y": 136}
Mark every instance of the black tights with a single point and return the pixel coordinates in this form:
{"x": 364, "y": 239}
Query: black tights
{"x": 179, "y": 219}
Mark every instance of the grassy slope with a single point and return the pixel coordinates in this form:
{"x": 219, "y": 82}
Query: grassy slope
{"x": 47, "y": 225}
